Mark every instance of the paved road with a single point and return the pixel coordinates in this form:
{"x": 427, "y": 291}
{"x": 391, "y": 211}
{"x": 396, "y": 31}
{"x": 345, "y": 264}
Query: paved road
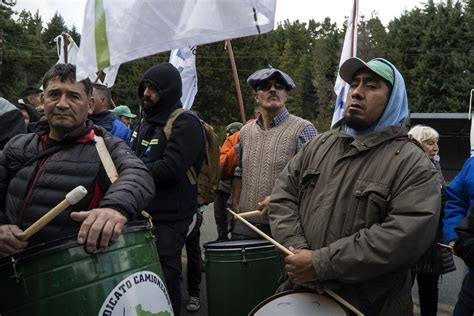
{"x": 449, "y": 283}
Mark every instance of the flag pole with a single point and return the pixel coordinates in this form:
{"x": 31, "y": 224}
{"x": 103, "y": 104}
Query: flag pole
{"x": 66, "y": 44}
{"x": 236, "y": 80}
{"x": 354, "y": 10}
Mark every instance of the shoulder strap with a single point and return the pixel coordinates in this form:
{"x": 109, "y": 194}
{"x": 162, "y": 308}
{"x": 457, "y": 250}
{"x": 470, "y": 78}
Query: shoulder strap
{"x": 105, "y": 158}
{"x": 110, "y": 169}
{"x": 169, "y": 124}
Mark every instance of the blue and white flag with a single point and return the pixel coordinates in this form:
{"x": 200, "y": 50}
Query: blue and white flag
{"x": 349, "y": 49}
{"x": 184, "y": 59}
{"x": 117, "y": 31}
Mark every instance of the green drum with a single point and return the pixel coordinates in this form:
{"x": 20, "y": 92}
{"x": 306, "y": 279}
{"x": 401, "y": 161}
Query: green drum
{"x": 240, "y": 274}
{"x": 61, "y": 278}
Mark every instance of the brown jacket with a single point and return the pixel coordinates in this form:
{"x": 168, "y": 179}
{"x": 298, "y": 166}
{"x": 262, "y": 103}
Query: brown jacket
{"x": 367, "y": 207}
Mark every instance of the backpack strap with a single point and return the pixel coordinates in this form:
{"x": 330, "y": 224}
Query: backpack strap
{"x": 169, "y": 123}
{"x": 191, "y": 172}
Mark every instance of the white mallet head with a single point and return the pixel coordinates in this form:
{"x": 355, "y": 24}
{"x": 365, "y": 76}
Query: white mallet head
{"x": 76, "y": 195}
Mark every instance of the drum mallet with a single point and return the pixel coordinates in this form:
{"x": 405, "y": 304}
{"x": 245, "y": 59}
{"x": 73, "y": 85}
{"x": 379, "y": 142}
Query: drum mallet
{"x": 445, "y": 246}
{"x": 72, "y": 198}
{"x": 287, "y": 252}
{"x": 250, "y": 214}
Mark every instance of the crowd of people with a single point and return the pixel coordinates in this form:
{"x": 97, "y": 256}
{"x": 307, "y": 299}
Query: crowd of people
{"x": 364, "y": 206}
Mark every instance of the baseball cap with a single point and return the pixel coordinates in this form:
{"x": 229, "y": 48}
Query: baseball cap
{"x": 123, "y": 110}
{"x": 266, "y": 73}
{"x": 30, "y": 91}
{"x": 234, "y": 127}
{"x": 354, "y": 64}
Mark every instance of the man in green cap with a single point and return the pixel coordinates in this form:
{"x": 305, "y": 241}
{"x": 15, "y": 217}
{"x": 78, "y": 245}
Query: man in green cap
{"x": 124, "y": 114}
{"x": 360, "y": 203}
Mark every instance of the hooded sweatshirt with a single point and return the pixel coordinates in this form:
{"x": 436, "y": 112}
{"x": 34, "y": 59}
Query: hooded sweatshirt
{"x": 169, "y": 160}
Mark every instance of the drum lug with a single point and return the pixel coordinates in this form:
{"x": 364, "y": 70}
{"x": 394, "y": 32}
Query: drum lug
{"x": 17, "y": 277}
{"x": 244, "y": 258}
{"x": 149, "y": 218}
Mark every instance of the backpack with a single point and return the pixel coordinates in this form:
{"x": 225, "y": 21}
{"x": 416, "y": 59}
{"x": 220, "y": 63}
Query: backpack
{"x": 209, "y": 177}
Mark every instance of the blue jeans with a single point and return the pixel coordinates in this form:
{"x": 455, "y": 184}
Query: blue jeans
{"x": 465, "y": 304}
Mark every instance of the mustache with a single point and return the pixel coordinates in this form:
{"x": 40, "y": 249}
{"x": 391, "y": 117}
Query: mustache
{"x": 57, "y": 111}
{"x": 146, "y": 99}
{"x": 273, "y": 94}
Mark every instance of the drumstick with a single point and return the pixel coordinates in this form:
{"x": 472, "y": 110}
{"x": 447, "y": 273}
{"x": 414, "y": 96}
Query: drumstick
{"x": 445, "y": 246}
{"x": 72, "y": 198}
{"x": 258, "y": 231}
{"x": 250, "y": 214}
{"x": 288, "y": 252}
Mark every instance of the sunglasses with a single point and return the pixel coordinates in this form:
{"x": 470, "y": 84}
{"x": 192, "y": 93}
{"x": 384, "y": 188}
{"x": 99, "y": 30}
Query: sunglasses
{"x": 267, "y": 85}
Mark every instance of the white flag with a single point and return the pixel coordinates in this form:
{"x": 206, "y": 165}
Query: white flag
{"x": 184, "y": 59}
{"x": 349, "y": 49}
{"x": 72, "y": 49}
{"x": 117, "y": 31}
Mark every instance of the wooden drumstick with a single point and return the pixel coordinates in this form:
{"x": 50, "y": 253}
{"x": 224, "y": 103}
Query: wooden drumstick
{"x": 250, "y": 214}
{"x": 72, "y": 198}
{"x": 288, "y": 252}
{"x": 445, "y": 246}
{"x": 258, "y": 231}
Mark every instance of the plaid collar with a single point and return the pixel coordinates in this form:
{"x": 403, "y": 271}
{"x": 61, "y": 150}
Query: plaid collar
{"x": 277, "y": 120}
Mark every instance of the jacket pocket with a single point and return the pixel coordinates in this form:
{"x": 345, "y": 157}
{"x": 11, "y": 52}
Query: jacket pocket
{"x": 308, "y": 181}
{"x": 371, "y": 204}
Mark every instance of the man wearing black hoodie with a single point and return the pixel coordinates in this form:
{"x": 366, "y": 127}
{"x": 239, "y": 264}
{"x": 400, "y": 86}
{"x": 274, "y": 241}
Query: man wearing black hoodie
{"x": 168, "y": 160}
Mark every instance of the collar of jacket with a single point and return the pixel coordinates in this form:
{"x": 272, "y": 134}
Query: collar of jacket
{"x": 104, "y": 119}
{"x": 368, "y": 141}
{"x": 79, "y": 136}
{"x": 161, "y": 116}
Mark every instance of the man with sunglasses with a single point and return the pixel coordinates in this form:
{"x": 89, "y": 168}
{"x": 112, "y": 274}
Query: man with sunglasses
{"x": 266, "y": 145}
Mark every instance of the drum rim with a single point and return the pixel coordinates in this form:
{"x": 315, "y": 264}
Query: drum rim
{"x": 274, "y": 296}
{"x": 262, "y": 243}
{"x": 53, "y": 246}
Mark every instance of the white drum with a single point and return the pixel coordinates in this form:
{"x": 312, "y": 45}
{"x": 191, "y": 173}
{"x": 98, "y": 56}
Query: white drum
{"x": 297, "y": 303}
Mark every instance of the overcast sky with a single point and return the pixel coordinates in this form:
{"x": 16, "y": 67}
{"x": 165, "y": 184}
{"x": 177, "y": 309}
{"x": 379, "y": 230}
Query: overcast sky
{"x": 73, "y": 10}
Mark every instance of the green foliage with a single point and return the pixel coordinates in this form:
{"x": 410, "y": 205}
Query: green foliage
{"x": 432, "y": 46}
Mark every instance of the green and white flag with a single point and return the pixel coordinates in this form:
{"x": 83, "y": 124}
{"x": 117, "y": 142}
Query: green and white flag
{"x": 117, "y": 31}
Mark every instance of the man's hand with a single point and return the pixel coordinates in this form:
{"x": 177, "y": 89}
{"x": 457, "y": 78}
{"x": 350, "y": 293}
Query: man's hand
{"x": 263, "y": 205}
{"x": 451, "y": 244}
{"x": 300, "y": 266}
{"x": 104, "y": 222}
{"x": 10, "y": 241}
{"x": 235, "y": 207}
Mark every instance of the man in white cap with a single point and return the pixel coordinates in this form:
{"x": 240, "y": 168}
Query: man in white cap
{"x": 360, "y": 203}
{"x": 266, "y": 145}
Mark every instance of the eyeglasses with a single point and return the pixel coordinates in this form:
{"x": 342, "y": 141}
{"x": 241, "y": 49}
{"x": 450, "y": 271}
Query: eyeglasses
{"x": 267, "y": 85}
